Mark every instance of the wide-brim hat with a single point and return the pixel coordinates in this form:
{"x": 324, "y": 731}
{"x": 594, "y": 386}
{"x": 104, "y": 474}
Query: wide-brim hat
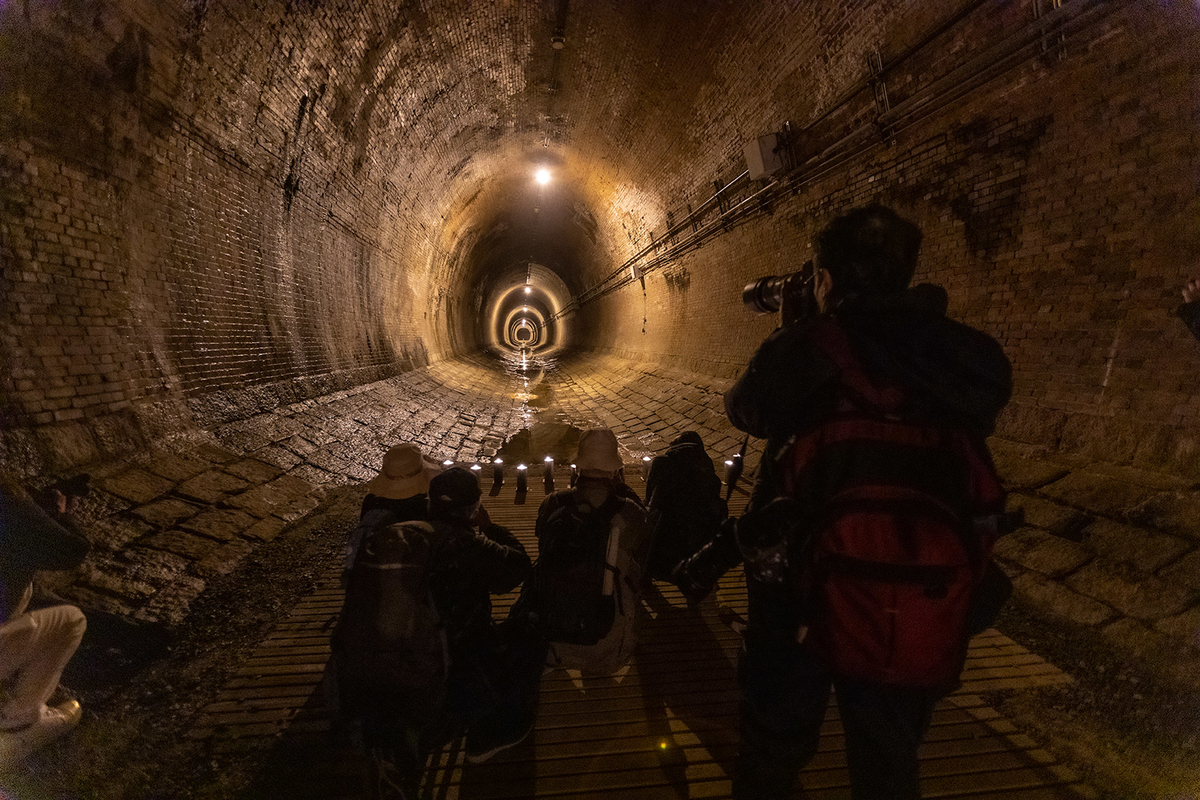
{"x": 598, "y": 451}
{"x": 406, "y": 473}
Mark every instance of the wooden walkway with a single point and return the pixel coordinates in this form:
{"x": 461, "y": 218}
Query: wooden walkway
{"x": 664, "y": 728}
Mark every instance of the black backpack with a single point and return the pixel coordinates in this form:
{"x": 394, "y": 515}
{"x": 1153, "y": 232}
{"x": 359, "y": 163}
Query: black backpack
{"x": 683, "y": 496}
{"x": 389, "y": 636}
{"x": 575, "y": 594}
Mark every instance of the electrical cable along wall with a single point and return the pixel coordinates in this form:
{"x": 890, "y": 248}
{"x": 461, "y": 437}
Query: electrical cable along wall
{"x": 210, "y": 212}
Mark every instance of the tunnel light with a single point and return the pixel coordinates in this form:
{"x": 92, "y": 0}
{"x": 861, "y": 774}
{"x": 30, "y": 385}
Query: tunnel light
{"x": 542, "y": 176}
{"x": 475, "y": 468}
{"x": 447, "y": 463}
{"x": 528, "y": 290}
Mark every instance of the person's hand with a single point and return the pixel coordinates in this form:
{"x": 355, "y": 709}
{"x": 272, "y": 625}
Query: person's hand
{"x": 1191, "y": 292}
{"x": 481, "y": 519}
{"x": 65, "y": 503}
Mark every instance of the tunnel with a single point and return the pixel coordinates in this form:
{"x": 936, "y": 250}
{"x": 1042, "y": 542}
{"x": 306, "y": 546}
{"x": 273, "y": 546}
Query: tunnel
{"x": 246, "y": 247}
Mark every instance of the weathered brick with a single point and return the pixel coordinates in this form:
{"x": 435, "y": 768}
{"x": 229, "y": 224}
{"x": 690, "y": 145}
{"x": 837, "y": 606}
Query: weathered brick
{"x": 1060, "y": 601}
{"x": 1145, "y": 550}
{"x": 1097, "y": 492}
{"x": 1133, "y": 593}
{"x": 136, "y": 485}
{"x": 210, "y": 487}
{"x": 220, "y": 524}
{"x": 1051, "y": 555}
{"x": 166, "y": 513}
{"x": 182, "y": 543}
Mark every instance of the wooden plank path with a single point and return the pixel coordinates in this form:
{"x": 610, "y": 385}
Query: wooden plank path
{"x": 666, "y": 727}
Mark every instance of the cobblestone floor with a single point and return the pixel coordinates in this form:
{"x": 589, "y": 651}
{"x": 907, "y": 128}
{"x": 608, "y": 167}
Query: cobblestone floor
{"x": 1111, "y": 547}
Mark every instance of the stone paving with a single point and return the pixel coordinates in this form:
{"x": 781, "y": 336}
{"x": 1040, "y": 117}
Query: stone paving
{"x": 1108, "y": 546}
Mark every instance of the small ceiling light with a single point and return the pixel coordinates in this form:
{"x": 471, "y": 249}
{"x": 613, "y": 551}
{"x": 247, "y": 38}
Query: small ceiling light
{"x": 542, "y": 176}
{"x": 528, "y": 290}
{"x": 558, "y": 42}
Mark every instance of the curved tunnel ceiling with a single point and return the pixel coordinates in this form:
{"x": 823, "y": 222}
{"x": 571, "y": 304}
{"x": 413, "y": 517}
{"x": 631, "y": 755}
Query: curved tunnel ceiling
{"x": 454, "y": 109}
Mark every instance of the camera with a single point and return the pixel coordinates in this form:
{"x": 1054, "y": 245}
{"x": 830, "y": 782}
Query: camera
{"x": 796, "y": 289}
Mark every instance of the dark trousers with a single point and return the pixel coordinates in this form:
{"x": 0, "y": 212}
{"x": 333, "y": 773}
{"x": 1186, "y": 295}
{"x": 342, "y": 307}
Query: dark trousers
{"x": 785, "y": 690}
{"x": 493, "y": 683}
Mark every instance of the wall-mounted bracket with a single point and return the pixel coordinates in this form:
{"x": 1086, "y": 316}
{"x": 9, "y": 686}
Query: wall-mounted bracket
{"x": 879, "y": 88}
{"x": 1054, "y": 45}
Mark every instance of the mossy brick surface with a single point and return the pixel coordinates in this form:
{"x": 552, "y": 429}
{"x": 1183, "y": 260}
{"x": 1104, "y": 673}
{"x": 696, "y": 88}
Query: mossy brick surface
{"x": 1058, "y": 600}
{"x": 1048, "y": 554}
{"x": 136, "y": 485}
{"x": 222, "y": 524}
{"x": 262, "y": 501}
{"x": 182, "y": 543}
{"x": 166, "y": 513}
{"x": 254, "y": 471}
{"x": 176, "y": 467}
{"x": 1097, "y": 492}
{"x": 1174, "y": 512}
{"x": 1145, "y": 549}
{"x": 1060, "y": 520}
{"x": 211, "y": 487}
{"x": 1145, "y": 597}
{"x": 1026, "y": 473}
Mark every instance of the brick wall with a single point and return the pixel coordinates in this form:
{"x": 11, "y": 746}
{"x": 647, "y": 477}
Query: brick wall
{"x": 212, "y": 209}
{"x": 1055, "y": 204}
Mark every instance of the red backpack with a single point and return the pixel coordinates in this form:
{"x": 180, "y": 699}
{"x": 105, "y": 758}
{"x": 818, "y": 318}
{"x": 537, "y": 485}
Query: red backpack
{"x": 902, "y": 533}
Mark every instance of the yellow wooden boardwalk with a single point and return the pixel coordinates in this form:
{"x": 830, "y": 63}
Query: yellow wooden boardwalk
{"x": 664, "y": 728}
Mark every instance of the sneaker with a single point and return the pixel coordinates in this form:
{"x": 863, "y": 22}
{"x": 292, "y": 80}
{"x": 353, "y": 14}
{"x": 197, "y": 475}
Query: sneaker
{"x": 55, "y": 721}
{"x": 483, "y": 742}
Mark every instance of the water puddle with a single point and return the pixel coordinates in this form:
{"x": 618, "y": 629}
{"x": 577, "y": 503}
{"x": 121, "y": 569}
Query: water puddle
{"x": 531, "y": 445}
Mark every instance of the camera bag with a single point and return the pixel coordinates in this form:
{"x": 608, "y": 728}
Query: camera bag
{"x": 904, "y": 518}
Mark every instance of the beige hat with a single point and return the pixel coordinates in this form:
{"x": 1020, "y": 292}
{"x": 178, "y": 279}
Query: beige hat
{"x": 598, "y": 452}
{"x": 405, "y": 473}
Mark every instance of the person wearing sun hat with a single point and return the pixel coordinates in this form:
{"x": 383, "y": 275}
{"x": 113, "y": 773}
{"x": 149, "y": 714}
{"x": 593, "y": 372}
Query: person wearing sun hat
{"x": 399, "y": 493}
{"x": 403, "y": 481}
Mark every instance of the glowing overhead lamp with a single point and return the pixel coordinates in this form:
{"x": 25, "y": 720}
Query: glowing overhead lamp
{"x": 528, "y": 290}
{"x": 542, "y": 176}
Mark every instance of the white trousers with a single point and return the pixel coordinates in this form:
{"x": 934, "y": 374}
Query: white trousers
{"x": 34, "y": 648}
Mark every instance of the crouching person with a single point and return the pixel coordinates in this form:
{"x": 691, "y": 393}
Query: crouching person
{"x": 587, "y": 584}
{"x": 36, "y": 645}
{"x": 418, "y": 655}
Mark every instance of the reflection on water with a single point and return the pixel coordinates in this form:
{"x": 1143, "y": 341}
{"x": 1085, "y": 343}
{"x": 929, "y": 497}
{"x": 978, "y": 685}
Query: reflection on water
{"x": 543, "y": 436}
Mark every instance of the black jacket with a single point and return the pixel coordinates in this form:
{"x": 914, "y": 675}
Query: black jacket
{"x": 468, "y": 568}
{"x": 955, "y": 376}
{"x": 31, "y": 540}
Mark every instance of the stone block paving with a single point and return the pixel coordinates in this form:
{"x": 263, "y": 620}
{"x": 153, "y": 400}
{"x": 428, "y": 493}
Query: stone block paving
{"x": 1110, "y": 546}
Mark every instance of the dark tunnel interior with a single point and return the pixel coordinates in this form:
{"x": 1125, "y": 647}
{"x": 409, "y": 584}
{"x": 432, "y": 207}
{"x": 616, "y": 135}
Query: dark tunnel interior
{"x": 246, "y": 247}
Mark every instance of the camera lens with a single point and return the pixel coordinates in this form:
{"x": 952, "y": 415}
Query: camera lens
{"x": 765, "y": 295}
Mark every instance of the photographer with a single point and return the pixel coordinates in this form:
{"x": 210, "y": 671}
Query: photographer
{"x": 877, "y": 356}
{"x": 35, "y": 645}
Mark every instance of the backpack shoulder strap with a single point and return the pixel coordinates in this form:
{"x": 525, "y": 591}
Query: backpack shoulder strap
{"x": 831, "y": 338}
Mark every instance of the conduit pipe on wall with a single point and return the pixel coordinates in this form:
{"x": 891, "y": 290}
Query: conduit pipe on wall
{"x": 1066, "y": 20}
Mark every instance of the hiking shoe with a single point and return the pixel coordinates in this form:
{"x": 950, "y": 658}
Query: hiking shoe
{"x": 15, "y": 745}
{"x": 483, "y": 742}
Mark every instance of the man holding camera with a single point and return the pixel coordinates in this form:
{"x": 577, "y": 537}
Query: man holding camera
{"x": 875, "y": 407}
{"x": 35, "y": 645}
